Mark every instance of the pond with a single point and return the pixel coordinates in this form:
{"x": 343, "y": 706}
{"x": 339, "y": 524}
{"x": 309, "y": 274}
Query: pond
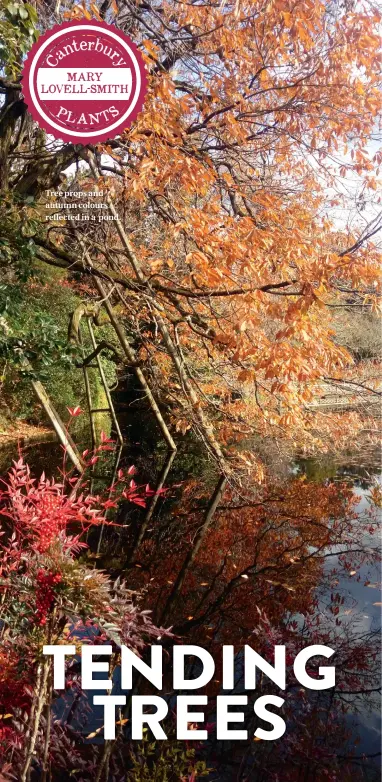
{"x": 295, "y": 564}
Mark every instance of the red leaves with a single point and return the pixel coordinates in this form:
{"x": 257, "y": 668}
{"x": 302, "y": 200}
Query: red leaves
{"x": 106, "y": 443}
{"x": 109, "y": 504}
{"x": 41, "y": 512}
{"x": 48, "y": 588}
{"x": 131, "y": 471}
{"x": 74, "y": 412}
{"x": 133, "y": 496}
{"x": 137, "y": 494}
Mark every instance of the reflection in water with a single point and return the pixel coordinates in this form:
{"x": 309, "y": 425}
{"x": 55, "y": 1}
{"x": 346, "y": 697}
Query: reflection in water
{"x": 293, "y": 564}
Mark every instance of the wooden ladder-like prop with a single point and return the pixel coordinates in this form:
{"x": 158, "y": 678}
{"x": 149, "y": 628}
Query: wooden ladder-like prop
{"x": 63, "y": 435}
{"x": 93, "y": 410}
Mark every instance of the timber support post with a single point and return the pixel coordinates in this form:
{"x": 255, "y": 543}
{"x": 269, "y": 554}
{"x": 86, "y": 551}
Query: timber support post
{"x": 88, "y": 392}
{"x": 62, "y": 433}
{"x": 129, "y": 352}
{"x": 105, "y": 385}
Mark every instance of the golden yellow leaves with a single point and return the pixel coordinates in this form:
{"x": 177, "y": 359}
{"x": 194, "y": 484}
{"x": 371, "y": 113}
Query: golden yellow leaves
{"x": 287, "y": 17}
{"x": 183, "y": 425}
{"x": 251, "y": 465}
{"x": 151, "y": 48}
{"x": 101, "y": 729}
{"x": 80, "y": 10}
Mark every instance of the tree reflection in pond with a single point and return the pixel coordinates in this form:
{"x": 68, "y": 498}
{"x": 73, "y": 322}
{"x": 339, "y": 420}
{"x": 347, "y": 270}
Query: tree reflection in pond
{"x": 267, "y": 567}
{"x": 292, "y": 562}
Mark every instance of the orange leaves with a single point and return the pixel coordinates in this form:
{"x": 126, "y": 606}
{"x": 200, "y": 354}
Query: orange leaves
{"x": 245, "y": 375}
{"x": 80, "y": 10}
{"x": 182, "y": 426}
{"x": 231, "y": 195}
{"x": 287, "y": 17}
{"x": 225, "y": 339}
{"x": 303, "y": 34}
{"x": 151, "y": 47}
{"x": 198, "y": 258}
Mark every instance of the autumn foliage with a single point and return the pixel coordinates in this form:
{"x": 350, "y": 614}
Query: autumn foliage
{"x": 245, "y": 210}
{"x": 49, "y": 594}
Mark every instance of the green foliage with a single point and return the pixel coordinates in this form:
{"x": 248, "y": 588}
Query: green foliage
{"x": 165, "y": 762}
{"x": 18, "y": 225}
{"x": 34, "y": 320}
{"x": 31, "y": 337}
{"x": 18, "y": 32}
{"x": 36, "y": 302}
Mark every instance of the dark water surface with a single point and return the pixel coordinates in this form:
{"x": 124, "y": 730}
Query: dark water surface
{"x": 295, "y": 564}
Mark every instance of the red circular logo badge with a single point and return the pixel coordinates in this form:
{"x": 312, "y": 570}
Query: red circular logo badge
{"x": 84, "y": 81}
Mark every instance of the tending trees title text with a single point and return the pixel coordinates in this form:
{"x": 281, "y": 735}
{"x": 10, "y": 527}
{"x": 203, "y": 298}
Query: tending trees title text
{"x": 154, "y": 674}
